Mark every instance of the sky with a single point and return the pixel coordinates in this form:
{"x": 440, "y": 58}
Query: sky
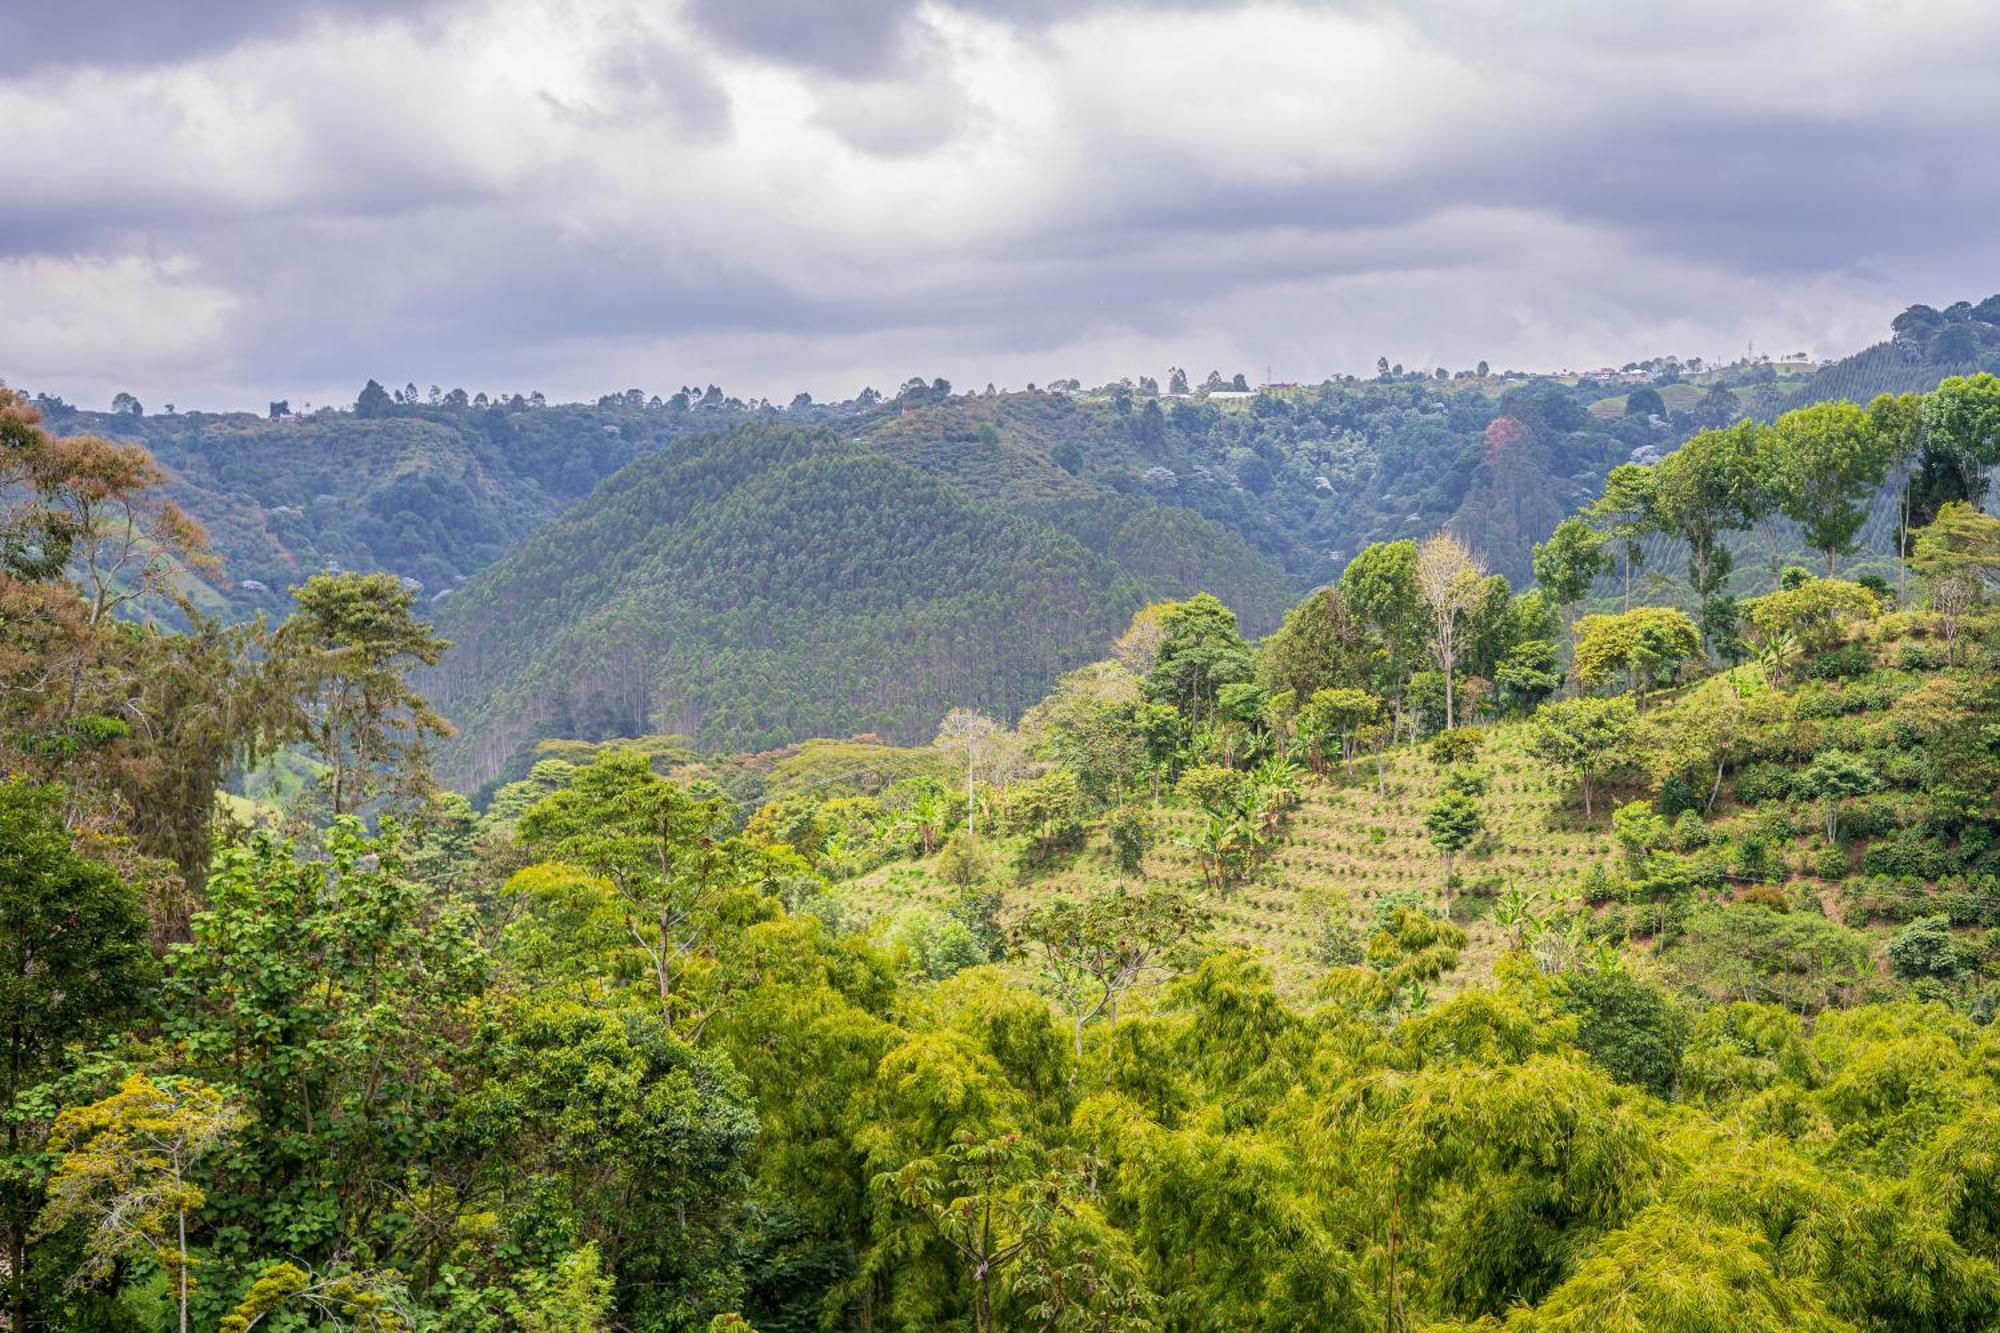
{"x": 215, "y": 203}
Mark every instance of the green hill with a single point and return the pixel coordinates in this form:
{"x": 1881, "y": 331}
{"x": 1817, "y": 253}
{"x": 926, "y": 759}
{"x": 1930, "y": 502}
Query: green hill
{"x": 778, "y": 583}
{"x": 430, "y": 494}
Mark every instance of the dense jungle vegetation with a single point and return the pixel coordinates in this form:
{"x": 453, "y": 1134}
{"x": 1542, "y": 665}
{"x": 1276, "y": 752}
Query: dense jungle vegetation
{"x": 1616, "y": 952}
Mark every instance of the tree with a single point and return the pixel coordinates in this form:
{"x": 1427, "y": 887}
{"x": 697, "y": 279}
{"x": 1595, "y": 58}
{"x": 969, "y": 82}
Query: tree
{"x": 1048, "y": 811}
{"x": 1827, "y": 459}
{"x": 125, "y": 1174}
{"x": 1705, "y": 489}
{"x": 1336, "y": 715}
{"x": 670, "y": 858}
{"x": 1017, "y": 1219}
{"x": 1569, "y": 562}
{"x": 1448, "y": 581}
{"x": 73, "y": 965}
{"x": 1528, "y": 674}
{"x": 1585, "y": 738}
{"x": 1899, "y": 420}
{"x": 1645, "y": 402}
{"x": 373, "y": 401}
{"x": 1648, "y": 644}
{"x": 1320, "y": 646}
{"x": 1961, "y": 421}
{"x": 1667, "y": 1272}
{"x": 1692, "y": 743}
{"x": 1199, "y": 653}
{"x": 1816, "y": 614}
{"x": 1095, "y": 950}
{"x": 347, "y": 654}
{"x": 980, "y": 740}
{"x": 1453, "y": 822}
{"x": 1925, "y": 948}
{"x": 1833, "y": 777}
{"x": 1956, "y": 555}
{"x": 1623, "y": 513}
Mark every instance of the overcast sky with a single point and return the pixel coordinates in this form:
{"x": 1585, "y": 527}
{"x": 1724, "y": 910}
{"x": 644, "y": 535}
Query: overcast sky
{"x": 216, "y": 202}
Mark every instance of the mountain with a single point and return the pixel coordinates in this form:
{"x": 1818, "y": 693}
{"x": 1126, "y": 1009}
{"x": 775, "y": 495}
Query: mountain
{"x": 775, "y": 583}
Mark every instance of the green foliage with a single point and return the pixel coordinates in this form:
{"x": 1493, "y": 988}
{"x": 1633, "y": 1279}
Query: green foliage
{"x": 1200, "y": 654}
{"x": 1453, "y": 821}
{"x": 1794, "y": 959}
{"x": 1528, "y": 674}
{"x": 1585, "y": 738}
{"x": 1648, "y": 644}
{"x": 1568, "y": 563}
{"x": 1631, "y": 1028}
{"x": 1826, "y": 458}
{"x": 1925, "y": 948}
{"x": 73, "y": 969}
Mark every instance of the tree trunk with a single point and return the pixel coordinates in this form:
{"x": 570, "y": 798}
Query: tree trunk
{"x": 181, "y": 1219}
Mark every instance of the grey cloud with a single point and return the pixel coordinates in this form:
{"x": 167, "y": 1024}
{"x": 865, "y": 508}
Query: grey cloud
{"x": 38, "y": 34}
{"x": 855, "y": 38}
{"x": 1632, "y": 212}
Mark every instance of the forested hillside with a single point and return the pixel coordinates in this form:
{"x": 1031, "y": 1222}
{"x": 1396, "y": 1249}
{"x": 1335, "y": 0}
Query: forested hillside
{"x": 778, "y": 583}
{"x": 427, "y": 493}
{"x": 1256, "y": 496}
{"x": 1451, "y": 958}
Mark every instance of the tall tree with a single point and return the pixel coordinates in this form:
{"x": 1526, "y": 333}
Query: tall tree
{"x": 1201, "y": 651}
{"x": 1569, "y": 562}
{"x": 73, "y": 967}
{"x": 1705, "y": 490}
{"x": 1828, "y": 458}
{"x": 1449, "y": 581}
{"x": 1898, "y": 418}
{"x": 1623, "y": 512}
{"x": 125, "y": 1175}
{"x": 347, "y": 655}
{"x": 1962, "y": 423}
{"x": 1380, "y": 587}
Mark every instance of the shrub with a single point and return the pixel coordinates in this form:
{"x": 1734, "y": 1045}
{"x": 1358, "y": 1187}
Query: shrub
{"x": 1765, "y": 895}
{"x": 1760, "y": 782}
{"x": 1336, "y": 943}
{"x": 1130, "y": 837}
{"x": 1842, "y": 663}
{"x": 1210, "y": 787}
{"x": 1831, "y": 862}
{"x": 1925, "y": 948}
{"x": 1629, "y": 1027}
{"x": 1908, "y": 853}
{"x": 1689, "y": 833}
{"x": 1914, "y": 656}
{"x": 1753, "y": 855}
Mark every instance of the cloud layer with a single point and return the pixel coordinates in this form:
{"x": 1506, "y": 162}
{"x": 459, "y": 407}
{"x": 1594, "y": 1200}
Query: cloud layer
{"x": 218, "y": 203}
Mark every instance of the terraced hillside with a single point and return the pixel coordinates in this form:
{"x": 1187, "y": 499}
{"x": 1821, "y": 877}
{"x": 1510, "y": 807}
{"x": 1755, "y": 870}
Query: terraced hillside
{"x": 1344, "y": 847}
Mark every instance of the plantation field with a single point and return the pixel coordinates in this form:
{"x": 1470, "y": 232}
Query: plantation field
{"x": 1341, "y": 848}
